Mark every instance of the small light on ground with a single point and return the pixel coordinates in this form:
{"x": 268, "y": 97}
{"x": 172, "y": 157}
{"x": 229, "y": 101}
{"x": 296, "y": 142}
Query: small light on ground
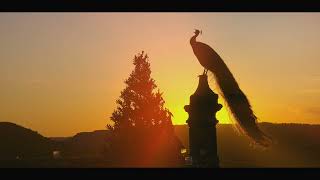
{"x": 183, "y": 151}
{"x": 56, "y": 154}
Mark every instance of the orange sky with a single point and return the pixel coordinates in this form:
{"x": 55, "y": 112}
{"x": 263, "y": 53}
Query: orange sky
{"x": 61, "y": 73}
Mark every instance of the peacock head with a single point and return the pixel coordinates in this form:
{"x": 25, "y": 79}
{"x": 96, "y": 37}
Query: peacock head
{"x": 197, "y": 32}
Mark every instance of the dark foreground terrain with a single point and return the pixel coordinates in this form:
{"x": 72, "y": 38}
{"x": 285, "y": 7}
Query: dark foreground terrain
{"x": 294, "y": 145}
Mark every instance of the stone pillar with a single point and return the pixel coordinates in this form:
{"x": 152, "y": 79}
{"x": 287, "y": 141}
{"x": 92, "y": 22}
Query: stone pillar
{"x": 202, "y": 125}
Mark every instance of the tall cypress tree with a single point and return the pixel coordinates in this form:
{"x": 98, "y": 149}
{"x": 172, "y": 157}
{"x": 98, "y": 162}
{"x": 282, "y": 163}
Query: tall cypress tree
{"x": 142, "y": 129}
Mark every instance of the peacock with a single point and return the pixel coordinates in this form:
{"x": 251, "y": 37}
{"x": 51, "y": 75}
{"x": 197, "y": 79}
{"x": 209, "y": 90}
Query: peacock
{"x": 236, "y": 102}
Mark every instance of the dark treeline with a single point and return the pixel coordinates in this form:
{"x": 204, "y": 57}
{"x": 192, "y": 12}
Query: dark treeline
{"x": 295, "y": 145}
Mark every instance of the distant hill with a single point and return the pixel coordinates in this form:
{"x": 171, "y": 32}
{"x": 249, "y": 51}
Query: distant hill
{"x": 295, "y": 145}
{"x": 19, "y": 142}
{"x": 89, "y": 144}
{"x": 22, "y": 147}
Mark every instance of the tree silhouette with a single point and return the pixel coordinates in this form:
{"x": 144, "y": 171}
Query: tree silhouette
{"x": 142, "y": 130}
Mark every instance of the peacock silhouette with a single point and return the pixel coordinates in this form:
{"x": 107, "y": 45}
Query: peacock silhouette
{"x": 236, "y": 102}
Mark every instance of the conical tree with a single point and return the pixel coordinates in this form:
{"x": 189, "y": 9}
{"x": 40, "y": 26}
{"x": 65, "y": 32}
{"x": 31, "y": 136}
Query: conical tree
{"x": 142, "y": 129}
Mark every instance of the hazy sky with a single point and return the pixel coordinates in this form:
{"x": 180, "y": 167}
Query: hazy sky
{"x": 61, "y": 73}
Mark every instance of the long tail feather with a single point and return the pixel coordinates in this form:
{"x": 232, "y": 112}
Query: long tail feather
{"x": 237, "y": 103}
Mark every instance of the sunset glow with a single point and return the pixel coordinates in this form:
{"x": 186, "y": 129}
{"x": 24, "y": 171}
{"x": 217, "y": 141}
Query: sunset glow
{"x": 61, "y": 73}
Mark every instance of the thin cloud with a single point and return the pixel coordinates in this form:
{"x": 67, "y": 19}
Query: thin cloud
{"x": 313, "y": 111}
{"x": 37, "y": 83}
{"x": 311, "y": 91}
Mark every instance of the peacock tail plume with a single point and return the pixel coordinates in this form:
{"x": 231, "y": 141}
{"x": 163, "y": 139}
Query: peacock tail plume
{"x": 236, "y": 102}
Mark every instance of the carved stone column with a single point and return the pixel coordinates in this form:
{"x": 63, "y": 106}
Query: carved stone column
{"x": 202, "y": 125}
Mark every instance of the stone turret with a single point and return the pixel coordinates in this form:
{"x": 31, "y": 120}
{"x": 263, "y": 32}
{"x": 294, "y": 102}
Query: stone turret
{"x": 202, "y": 125}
